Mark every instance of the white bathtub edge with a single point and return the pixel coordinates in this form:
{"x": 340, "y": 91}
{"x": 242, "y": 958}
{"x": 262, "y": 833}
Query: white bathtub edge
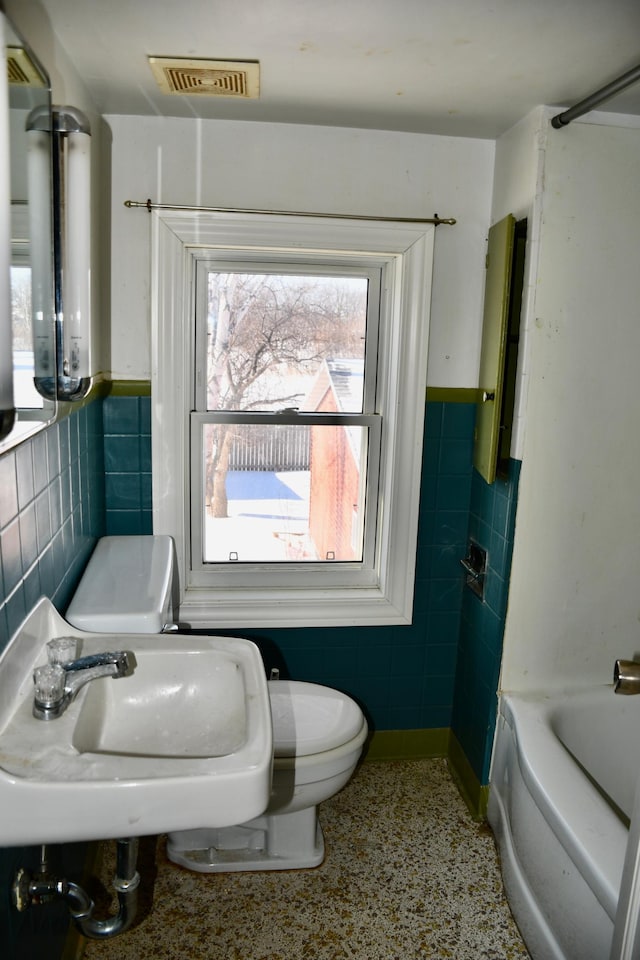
{"x": 604, "y": 871}
{"x": 530, "y": 920}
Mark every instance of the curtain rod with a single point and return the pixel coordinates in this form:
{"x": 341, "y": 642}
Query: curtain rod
{"x": 285, "y": 213}
{"x": 562, "y": 119}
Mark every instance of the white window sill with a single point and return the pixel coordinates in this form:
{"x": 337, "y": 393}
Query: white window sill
{"x": 268, "y": 609}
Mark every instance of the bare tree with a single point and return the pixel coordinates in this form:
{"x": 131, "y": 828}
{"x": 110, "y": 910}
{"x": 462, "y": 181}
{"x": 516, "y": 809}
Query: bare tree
{"x": 21, "y": 308}
{"x": 264, "y": 331}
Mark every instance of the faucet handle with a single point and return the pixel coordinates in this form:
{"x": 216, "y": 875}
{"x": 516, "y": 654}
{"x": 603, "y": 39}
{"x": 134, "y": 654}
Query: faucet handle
{"x": 49, "y": 684}
{"x": 62, "y": 650}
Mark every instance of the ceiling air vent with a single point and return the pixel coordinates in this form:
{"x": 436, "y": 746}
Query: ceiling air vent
{"x": 22, "y": 70}
{"x": 207, "y": 78}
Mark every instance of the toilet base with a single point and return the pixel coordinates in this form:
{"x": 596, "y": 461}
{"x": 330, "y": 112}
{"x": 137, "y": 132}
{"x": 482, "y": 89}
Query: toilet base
{"x": 290, "y": 841}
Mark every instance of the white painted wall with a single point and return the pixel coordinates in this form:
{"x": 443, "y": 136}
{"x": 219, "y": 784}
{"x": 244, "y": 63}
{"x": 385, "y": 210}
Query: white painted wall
{"x": 574, "y": 604}
{"x": 305, "y": 168}
{"x": 516, "y": 166}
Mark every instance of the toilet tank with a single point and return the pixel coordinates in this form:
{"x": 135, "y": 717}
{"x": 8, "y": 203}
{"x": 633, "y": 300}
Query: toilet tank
{"x": 126, "y": 587}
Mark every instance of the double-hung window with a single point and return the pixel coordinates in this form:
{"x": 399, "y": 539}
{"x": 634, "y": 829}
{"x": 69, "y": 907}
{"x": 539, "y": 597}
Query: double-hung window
{"x": 285, "y": 435}
{"x": 289, "y": 377}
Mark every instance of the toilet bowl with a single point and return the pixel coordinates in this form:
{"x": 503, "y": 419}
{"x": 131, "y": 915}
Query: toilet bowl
{"x": 318, "y": 736}
{"x": 318, "y": 733}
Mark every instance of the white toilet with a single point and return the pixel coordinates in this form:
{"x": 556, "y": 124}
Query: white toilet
{"x": 318, "y": 733}
{"x": 318, "y": 736}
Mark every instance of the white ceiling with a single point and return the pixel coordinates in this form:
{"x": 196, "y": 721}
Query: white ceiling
{"x": 456, "y": 67}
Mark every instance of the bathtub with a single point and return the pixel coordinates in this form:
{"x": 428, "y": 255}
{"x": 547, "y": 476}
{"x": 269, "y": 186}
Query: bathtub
{"x": 563, "y": 782}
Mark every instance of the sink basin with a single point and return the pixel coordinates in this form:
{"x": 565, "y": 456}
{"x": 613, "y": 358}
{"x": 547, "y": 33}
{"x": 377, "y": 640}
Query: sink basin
{"x": 143, "y": 715}
{"x": 182, "y": 742}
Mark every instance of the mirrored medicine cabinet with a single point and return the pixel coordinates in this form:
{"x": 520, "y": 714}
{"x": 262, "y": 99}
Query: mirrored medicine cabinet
{"x": 30, "y": 255}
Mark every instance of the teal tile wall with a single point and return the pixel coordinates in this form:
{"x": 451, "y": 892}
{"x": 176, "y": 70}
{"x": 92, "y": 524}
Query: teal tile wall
{"x": 491, "y": 524}
{"x": 403, "y": 676}
{"x": 127, "y": 464}
{"x": 91, "y": 474}
{"x": 51, "y": 512}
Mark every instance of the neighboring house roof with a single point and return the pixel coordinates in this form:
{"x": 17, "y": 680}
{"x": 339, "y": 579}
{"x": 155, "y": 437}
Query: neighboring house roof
{"x": 345, "y": 378}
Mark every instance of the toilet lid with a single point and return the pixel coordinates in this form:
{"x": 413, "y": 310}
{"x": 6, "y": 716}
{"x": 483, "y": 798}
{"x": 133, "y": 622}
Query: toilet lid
{"x": 309, "y": 718}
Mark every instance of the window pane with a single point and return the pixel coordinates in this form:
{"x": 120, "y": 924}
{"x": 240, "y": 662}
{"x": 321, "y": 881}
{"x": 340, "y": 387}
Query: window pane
{"x": 25, "y": 394}
{"x": 285, "y": 340}
{"x": 289, "y": 493}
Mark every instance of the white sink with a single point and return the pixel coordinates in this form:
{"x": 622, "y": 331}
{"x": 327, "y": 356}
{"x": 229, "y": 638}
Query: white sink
{"x": 183, "y": 742}
{"x": 143, "y": 715}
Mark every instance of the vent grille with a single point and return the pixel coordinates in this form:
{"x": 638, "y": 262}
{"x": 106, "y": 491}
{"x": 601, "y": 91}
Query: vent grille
{"x": 207, "y": 78}
{"x": 21, "y": 69}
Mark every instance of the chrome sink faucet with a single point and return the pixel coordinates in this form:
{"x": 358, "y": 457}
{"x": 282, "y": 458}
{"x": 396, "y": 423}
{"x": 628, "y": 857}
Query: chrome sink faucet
{"x": 626, "y": 677}
{"x": 58, "y": 682}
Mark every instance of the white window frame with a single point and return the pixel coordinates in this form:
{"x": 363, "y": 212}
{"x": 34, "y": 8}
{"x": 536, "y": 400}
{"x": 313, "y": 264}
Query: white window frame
{"x": 382, "y": 594}
{"x": 297, "y": 575}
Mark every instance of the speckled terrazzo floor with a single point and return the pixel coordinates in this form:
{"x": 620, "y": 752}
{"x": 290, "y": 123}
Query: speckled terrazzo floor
{"x": 408, "y": 874}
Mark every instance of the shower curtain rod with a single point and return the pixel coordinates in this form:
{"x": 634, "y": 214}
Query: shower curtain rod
{"x": 562, "y": 119}
{"x": 285, "y": 213}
